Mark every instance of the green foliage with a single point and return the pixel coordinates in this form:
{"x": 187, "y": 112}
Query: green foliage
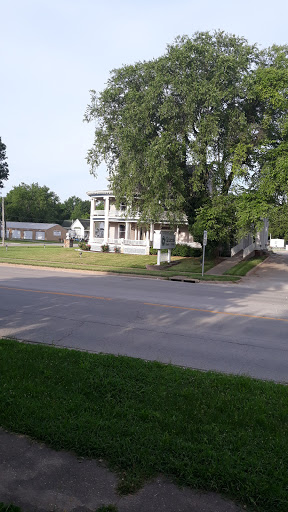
{"x": 186, "y": 251}
{"x": 32, "y": 203}
{"x": 183, "y": 250}
{"x": 8, "y": 508}
{"x": 218, "y": 218}
{"x": 117, "y": 249}
{"x": 107, "y": 508}
{"x": 278, "y": 221}
{"x": 207, "y": 118}
{"x": 105, "y": 248}
{"x": 84, "y": 246}
{"x": 4, "y": 171}
{"x": 75, "y": 208}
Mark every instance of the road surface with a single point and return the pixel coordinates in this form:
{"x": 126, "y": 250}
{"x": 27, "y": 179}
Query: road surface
{"x": 232, "y": 328}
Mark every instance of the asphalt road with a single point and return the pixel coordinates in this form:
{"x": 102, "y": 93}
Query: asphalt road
{"x": 241, "y": 329}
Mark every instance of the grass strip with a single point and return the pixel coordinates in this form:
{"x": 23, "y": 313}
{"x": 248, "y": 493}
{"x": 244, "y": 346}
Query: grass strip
{"x": 242, "y": 268}
{"x": 222, "y": 433}
{"x": 8, "y": 508}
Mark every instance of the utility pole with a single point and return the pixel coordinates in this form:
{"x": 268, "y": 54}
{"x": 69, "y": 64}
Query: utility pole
{"x": 3, "y": 223}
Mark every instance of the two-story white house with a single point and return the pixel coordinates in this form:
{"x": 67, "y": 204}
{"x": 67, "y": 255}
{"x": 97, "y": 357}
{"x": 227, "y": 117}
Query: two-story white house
{"x": 117, "y": 229}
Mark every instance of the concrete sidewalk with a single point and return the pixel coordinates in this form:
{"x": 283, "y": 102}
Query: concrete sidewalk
{"x": 39, "y": 479}
{"x": 225, "y": 265}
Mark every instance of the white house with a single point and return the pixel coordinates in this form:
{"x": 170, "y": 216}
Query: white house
{"x": 117, "y": 229}
{"x": 80, "y": 228}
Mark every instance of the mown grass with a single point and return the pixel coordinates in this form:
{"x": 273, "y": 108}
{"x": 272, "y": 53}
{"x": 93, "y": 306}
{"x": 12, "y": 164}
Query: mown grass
{"x": 242, "y": 268}
{"x": 216, "y": 432}
{"x": 58, "y": 257}
{"x": 9, "y": 508}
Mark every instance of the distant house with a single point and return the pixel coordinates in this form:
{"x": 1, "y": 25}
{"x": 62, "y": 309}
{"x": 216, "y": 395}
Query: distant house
{"x": 80, "y": 228}
{"x": 35, "y": 231}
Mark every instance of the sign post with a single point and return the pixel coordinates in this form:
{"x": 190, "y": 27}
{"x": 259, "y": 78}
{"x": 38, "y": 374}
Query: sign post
{"x": 204, "y": 245}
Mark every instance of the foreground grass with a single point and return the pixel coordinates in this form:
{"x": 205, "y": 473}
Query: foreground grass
{"x": 58, "y": 257}
{"x": 9, "y": 508}
{"x": 206, "y": 430}
{"x": 242, "y": 268}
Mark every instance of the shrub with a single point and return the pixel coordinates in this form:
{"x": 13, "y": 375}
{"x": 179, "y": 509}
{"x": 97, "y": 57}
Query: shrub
{"x": 186, "y": 251}
{"x": 84, "y": 246}
{"x": 117, "y": 249}
{"x": 105, "y": 248}
{"x": 183, "y": 250}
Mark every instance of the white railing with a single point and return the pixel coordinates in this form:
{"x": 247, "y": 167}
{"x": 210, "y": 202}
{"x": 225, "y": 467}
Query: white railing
{"x": 135, "y": 242}
{"x": 98, "y": 213}
{"x": 123, "y": 215}
{"x": 248, "y": 250}
{"x": 237, "y": 248}
{"x": 114, "y": 241}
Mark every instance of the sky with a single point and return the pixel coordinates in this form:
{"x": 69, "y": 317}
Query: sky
{"x": 53, "y": 52}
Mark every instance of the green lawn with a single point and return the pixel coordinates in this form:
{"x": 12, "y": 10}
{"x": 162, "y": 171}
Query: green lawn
{"x": 105, "y": 262}
{"x": 242, "y": 268}
{"x": 216, "y": 432}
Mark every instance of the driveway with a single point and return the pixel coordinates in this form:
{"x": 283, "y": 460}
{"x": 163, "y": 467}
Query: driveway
{"x": 271, "y": 275}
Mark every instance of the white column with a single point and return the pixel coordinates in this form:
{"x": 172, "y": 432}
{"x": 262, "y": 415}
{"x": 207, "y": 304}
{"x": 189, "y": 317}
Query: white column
{"x": 127, "y": 230}
{"x": 151, "y": 231}
{"x": 177, "y": 235}
{"x": 106, "y": 221}
{"x": 136, "y": 232}
{"x": 169, "y": 255}
{"x": 92, "y": 225}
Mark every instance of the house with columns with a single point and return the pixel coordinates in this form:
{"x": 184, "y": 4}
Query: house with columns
{"x": 116, "y": 228}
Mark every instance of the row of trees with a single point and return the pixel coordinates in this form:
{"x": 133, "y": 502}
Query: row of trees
{"x": 200, "y": 131}
{"x": 33, "y": 203}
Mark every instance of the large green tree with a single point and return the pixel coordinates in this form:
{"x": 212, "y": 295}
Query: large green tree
{"x": 205, "y": 120}
{"x": 4, "y": 171}
{"x": 175, "y": 129}
{"x": 32, "y": 203}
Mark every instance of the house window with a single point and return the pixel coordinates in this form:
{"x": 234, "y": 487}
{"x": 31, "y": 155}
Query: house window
{"x": 122, "y": 207}
{"x": 99, "y": 229}
{"x": 121, "y": 230}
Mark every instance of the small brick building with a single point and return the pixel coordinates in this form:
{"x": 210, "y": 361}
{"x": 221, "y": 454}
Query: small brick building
{"x": 35, "y": 231}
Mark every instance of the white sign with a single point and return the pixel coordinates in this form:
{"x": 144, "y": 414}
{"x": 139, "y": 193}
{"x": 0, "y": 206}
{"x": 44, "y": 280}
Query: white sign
{"x": 57, "y": 233}
{"x": 277, "y": 243}
{"x": 205, "y": 238}
{"x": 164, "y": 239}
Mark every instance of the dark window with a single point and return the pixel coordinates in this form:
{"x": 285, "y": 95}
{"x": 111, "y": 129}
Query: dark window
{"x": 121, "y": 231}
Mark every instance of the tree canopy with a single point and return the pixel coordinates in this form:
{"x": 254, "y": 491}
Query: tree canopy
{"x": 32, "y": 203}
{"x": 207, "y": 119}
{"x": 4, "y": 171}
{"x": 75, "y": 208}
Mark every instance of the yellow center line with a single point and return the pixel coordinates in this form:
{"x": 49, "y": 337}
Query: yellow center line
{"x": 217, "y": 312}
{"x": 211, "y": 311}
{"x": 55, "y": 293}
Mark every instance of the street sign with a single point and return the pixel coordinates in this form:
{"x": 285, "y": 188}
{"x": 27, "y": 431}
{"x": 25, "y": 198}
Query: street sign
{"x": 204, "y": 245}
{"x": 205, "y": 238}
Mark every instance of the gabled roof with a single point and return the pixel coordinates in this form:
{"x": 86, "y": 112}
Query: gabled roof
{"x": 31, "y": 225}
{"x": 66, "y": 224}
{"x": 85, "y": 223}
